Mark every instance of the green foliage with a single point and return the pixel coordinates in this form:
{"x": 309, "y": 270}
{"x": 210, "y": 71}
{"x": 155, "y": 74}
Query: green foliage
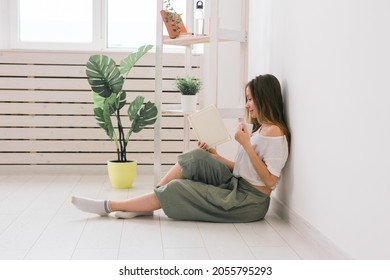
{"x": 128, "y": 62}
{"x": 106, "y": 80}
{"x": 171, "y": 15}
{"x": 103, "y": 75}
{"x": 145, "y": 117}
{"x": 188, "y": 85}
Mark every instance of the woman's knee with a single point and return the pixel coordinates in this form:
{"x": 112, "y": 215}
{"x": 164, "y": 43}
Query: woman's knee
{"x": 201, "y": 156}
{"x": 191, "y": 161}
{"x": 175, "y": 183}
{"x": 198, "y": 153}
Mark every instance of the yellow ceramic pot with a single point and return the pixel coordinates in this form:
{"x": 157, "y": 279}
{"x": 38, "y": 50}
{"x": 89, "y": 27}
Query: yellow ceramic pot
{"x": 122, "y": 174}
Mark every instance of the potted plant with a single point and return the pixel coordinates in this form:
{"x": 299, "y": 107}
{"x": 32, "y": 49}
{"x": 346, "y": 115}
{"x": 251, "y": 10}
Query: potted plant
{"x": 172, "y": 20}
{"x": 188, "y": 87}
{"x": 106, "y": 80}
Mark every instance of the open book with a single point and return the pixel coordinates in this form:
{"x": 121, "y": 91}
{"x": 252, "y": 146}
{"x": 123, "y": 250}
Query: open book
{"x": 209, "y": 126}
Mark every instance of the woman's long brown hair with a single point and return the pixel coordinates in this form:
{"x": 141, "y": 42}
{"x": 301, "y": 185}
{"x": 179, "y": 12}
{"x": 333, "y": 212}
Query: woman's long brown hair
{"x": 267, "y": 97}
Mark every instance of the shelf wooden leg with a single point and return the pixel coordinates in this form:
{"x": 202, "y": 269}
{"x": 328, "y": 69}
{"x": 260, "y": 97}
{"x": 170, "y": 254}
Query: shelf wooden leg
{"x": 186, "y": 133}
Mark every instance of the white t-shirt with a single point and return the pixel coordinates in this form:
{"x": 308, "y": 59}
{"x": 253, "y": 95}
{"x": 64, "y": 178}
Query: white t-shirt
{"x": 273, "y": 150}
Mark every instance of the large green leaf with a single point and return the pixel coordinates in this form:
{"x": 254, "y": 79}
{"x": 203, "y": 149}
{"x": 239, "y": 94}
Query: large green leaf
{"x": 121, "y": 100}
{"x": 104, "y": 121}
{"x": 111, "y": 104}
{"x": 103, "y": 75}
{"x": 134, "y": 107}
{"x": 128, "y": 62}
{"x": 147, "y": 116}
{"x": 98, "y": 100}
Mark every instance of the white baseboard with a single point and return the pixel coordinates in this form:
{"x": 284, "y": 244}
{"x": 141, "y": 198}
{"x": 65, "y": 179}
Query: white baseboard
{"x": 305, "y": 229}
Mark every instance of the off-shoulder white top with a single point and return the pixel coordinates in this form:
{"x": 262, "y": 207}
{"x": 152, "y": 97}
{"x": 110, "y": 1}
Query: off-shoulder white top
{"x": 273, "y": 150}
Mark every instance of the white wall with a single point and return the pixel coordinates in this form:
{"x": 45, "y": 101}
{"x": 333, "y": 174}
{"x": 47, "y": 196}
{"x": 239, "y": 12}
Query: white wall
{"x": 4, "y": 24}
{"x": 333, "y": 59}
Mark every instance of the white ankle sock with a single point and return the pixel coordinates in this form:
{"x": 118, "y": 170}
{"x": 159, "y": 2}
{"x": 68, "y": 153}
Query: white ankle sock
{"x": 130, "y": 215}
{"x": 94, "y": 206}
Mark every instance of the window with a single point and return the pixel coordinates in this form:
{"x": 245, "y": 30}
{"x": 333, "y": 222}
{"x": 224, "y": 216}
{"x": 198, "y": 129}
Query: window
{"x": 55, "y": 21}
{"x": 86, "y": 24}
{"x": 130, "y": 23}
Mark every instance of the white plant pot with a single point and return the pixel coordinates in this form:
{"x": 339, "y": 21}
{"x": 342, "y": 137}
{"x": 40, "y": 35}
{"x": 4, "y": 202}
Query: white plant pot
{"x": 188, "y": 103}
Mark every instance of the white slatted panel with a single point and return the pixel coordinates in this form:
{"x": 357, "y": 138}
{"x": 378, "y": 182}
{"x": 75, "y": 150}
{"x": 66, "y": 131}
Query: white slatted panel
{"x": 46, "y": 112}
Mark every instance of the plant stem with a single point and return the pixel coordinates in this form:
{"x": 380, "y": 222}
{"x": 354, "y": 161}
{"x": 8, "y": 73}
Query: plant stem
{"x": 121, "y": 156}
{"x": 128, "y": 135}
{"x": 124, "y": 152}
{"x": 117, "y": 145}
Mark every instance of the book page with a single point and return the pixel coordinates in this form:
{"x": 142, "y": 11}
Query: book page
{"x": 209, "y": 127}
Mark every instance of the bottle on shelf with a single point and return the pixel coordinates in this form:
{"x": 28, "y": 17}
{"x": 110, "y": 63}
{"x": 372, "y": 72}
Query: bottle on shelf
{"x": 199, "y": 19}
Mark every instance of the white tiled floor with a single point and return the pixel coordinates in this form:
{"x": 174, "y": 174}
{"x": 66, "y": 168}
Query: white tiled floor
{"x": 37, "y": 221}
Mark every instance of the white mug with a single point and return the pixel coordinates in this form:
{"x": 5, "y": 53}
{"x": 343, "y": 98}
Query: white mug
{"x": 249, "y": 127}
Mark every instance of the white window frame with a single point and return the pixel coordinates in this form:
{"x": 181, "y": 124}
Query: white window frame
{"x": 98, "y": 37}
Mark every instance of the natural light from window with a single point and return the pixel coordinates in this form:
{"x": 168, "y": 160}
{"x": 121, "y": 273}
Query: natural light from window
{"x": 131, "y": 23}
{"x": 55, "y": 21}
{"x": 121, "y": 23}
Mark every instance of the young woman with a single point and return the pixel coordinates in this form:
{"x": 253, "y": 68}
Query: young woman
{"x": 204, "y": 186}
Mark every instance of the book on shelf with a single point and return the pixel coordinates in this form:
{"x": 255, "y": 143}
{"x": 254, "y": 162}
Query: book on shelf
{"x": 209, "y": 127}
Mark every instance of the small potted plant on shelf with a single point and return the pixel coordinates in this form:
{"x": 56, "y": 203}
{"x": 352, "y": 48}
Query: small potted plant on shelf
{"x": 106, "y": 80}
{"x": 172, "y": 20}
{"x": 188, "y": 87}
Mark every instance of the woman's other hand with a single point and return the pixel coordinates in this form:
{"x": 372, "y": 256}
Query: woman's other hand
{"x": 213, "y": 152}
{"x": 203, "y": 146}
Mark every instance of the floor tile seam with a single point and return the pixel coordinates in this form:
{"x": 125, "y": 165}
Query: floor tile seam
{"x": 78, "y": 240}
{"x": 86, "y": 221}
{"x": 242, "y": 237}
{"x": 19, "y": 186}
{"x": 25, "y": 210}
{"x": 36, "y": 196}
{"x": 161, "y": 234}
{"x": 82, "y": 231}
{"x": 273, "y": 247}
{"x": 120, "y": 240}
{"x": 53, "y": 217}
{"x": 203, "y": 241}
{"x": 283, "y": 237}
